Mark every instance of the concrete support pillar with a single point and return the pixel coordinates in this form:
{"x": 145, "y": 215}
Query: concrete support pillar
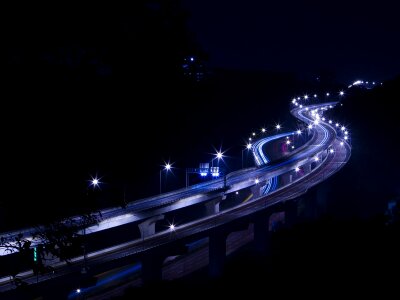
{"x": 217, "y": 253}
{"x": 212, "y": 207}
{"x": 148, "y": 227}
{"x": 152, "y": 269}
{"x": 287, "y": 178}
{"x": 307, "y": 168}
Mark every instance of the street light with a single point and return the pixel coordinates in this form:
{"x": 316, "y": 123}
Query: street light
{"x": 248, "y": 147}
{"x": 218, "y": 156}
{"x": 95, "y": 183}
{"x": 167, "y": 167}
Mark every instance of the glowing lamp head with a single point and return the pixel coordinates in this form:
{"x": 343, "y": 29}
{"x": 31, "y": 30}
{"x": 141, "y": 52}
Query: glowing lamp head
{"x": 341, "y": 93}
{"x": 298, "y": 131}
{"x": 168, "y": 166}
{"x": 278, "y": 126}
{"x": 171, "y": 227}
{"x": 331, "y": 150}
{"x": 263, "y": 129}
{"x": 219, "y": 155}
{"x": 248, "y": 146}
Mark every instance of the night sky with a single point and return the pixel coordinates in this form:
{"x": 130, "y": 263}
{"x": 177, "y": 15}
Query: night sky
{"x": 352, "y": 39}
{"x": 101, "y": 89}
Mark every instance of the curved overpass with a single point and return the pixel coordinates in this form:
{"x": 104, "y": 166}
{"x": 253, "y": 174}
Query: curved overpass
{"x": 320, "y": 157}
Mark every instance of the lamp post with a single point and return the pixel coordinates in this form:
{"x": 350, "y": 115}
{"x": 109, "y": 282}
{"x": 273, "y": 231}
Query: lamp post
{"x": 95, "y": 182}
{"x": 248, "y": 147}
{"x": 167, "y": 167}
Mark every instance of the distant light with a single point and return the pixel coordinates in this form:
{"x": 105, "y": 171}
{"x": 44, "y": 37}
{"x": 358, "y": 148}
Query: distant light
{"x": 172, "y": 227}
{"x": 373, "y": 82}
{"x": 203, "y": 174}
{"x": 248, "y": 146}
{"x": 253, "y": 133}
{"x": 315, "y": 95}
{"x": 316, "y": 122}
{"x": 323, "y": 119}
{"x": 287, "y": 137}
{"x": 346, "y": 137}
{"x": 357, "y": 82}
{"x": 341, "y": 93}
{"x": 330, "y": 121}
{"x": 215, "y": 174}
{"x": 298, "y": 131}
{"x": 263, "y": 130}
{"x": 337, "y": 125}
{"x": 346, "y": 132}
{"x": 310, "y": 126}
{"x": 341, "y": 143}
{"x": 306, "y": 108}
{"x": 331, "y": 150}
{"x": 298, "y": 98}
{"x": 219, "y": 155}
{"x": 330, "y": 106}
{"x": 294, "y": 101}
{"x": 292, "y": 147}
{"x": 237, "y": 193}
{"x": 78, "y": 291}
{"x": 316, "y": 158}
{"x": 278, "y": 126}
{"x": 288, "y": 142}
{"x": 192, "y": 59}
{"x": 297, "y": 169}
{"x": 168, "y": 166}
{"x": 257, "y": 181}
{"x": 327, "y": 94}
{"x": 249, "y": 138}
{"x": 366, "y": 82}
{"x": 301, "y": 106}
{"x": 305, "y": 96}
{"x": 95, "y": 182}
{"x": 343, "y": 128}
